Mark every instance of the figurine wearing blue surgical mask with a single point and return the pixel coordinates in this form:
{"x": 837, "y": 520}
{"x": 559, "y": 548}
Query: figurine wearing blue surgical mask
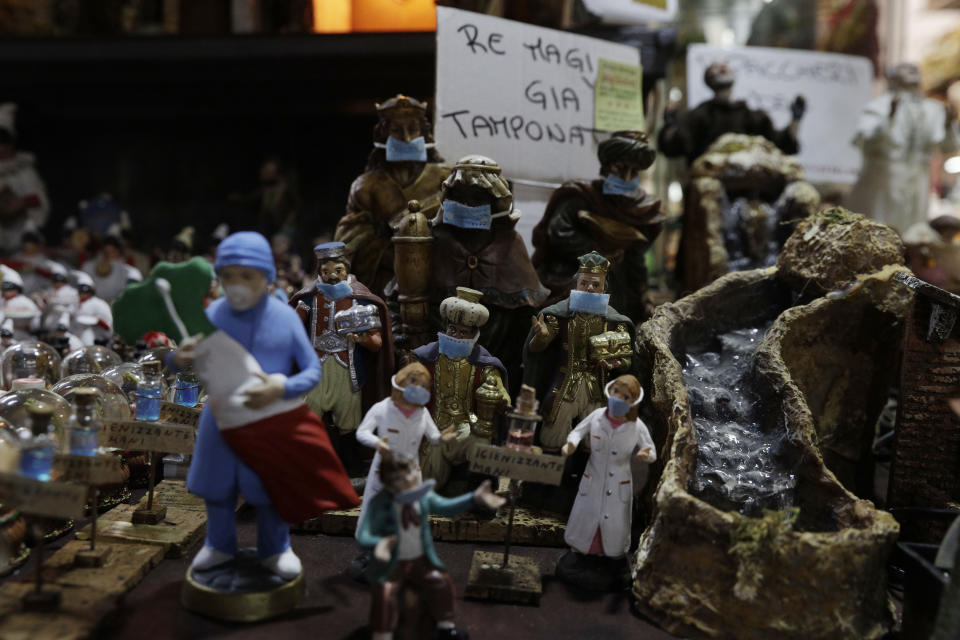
{"x": 476, "y": 245}
{"x": 612, "y": 215}
{"x": 404, "y": 165}
{"x": 349, "y": 328}
{"x": 573, "y": 347}
{"x": 598, "y": 530}
{"x": 459, "y": 366}
{"x": 398, "y": 423}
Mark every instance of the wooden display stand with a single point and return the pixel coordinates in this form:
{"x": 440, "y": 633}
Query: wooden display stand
{"x": 499, "y": 577}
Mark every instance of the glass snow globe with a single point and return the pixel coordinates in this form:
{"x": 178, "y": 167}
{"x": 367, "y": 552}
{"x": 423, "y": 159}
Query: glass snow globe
{"x": 112, "y": 402}
{"x": 15, "y": 405}
{"x": 30, "y": 359}
{"x": 92, "y": 359}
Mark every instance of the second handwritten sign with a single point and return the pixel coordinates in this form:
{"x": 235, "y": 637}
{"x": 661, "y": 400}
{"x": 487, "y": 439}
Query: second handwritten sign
{"x": 130, "y": 434}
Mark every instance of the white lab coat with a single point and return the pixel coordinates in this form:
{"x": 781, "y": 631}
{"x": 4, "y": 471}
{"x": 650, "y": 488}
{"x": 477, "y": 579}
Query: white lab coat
{"x": 93, "y": 321}
{"x": 605, "y": 498}
{"x": 403, "y": 434}
{"x": 894, "y": 183}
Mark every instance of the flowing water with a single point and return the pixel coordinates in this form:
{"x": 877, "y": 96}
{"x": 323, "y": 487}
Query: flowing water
{"x": 740, "y": 464}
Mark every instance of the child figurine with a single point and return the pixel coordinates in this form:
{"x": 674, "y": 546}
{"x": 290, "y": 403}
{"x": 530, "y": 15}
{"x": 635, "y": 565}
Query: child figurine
{"x": 397, "y": 528}
{"x": 256, "y": 437}
{"x": 397, "y": 424}
{"x": 598, "y": 529}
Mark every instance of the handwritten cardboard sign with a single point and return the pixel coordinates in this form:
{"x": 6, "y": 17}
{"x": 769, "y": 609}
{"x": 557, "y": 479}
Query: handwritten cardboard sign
{"x": 520, "y": 94}
{"x": 47, "y": 499}
{"x": 516, "y": 465}
{"x": 148, "y": 436}
{"x": 90, "y": 470}
{"x": 835, "y": 86}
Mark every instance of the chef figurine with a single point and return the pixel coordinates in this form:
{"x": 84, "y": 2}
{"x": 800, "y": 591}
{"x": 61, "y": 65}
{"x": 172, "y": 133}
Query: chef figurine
{"x": 572, "y": 348}
{"x": 349, "y": 328}
{"x": 397, "y": 528}
{"x": 260, "y": 441}
{"x": 459, "y": 367}
{"x": 398, "y": 424}
{"x": 18, "y": 308}
{"x": 59, "y": 298}
{"x": 598, "y": 529}
{"x": 93, "y": 319}
{"x": 403, "y": 166}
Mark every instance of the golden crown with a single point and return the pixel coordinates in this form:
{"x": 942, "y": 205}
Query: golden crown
{"x": 593, "y": 262}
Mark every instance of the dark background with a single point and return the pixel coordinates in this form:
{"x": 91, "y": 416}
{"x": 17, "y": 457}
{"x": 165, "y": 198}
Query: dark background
{"x": 171, "y": 126}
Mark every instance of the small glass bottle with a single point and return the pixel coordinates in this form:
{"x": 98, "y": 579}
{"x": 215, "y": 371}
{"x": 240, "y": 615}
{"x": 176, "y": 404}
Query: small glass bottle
{"x": 38, "y": 444}
{"x": 523, "y": 420}
{"x": 85, "y": 423}
{"x": 187, "y": 392}
{"x": 150, "y": 392}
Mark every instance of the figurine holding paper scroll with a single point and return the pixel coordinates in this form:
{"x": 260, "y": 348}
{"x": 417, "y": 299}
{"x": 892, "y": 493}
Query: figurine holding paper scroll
{"x": 256, "y": 437}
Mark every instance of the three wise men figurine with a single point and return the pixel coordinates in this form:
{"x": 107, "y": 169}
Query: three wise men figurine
{"x": 612, "y": 215}
{"x": 468, "y": 386}
{"x": 476, "y": 245}
{"x": 572, "y": 349}
{"x": 403, "y": 165}
{"x": 349, "y": 329}
{"x": 689, "y": 134}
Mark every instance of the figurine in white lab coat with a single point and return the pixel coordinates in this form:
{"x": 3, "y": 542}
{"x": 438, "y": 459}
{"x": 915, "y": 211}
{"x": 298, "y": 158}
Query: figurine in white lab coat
{"x": 899, "y": 132}
{"x": 598, "y": 529}
{"x": 398, "y": 423}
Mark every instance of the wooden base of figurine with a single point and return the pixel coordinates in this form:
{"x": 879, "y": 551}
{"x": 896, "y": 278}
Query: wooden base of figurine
{"x": 91, "y": 558}
{"x": 518, "y": 583}
{"x": 178, "y": 533}
{"x": 529, "y": 527}
{"x": 240, "y": 591}
{"x": 153, "y": 515}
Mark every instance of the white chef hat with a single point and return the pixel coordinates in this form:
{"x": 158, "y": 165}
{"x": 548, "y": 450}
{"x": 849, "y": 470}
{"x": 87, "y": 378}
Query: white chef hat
{"x": 133, "y": 274}
{"x": 82, "y": 278}
{"x": 11, "y": 277}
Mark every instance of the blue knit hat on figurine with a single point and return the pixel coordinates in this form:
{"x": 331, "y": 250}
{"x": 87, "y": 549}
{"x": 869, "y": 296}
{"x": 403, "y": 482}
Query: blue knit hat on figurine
{"x": 247, "y": 249}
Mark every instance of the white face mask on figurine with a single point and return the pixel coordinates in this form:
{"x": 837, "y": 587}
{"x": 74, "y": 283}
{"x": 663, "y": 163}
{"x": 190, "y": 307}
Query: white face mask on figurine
{"x": 240, "y": 297}
{"x": 243, "y": 287}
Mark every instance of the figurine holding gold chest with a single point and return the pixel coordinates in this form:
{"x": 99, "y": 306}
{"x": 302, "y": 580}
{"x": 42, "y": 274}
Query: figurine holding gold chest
{"x": 572, "y": 349}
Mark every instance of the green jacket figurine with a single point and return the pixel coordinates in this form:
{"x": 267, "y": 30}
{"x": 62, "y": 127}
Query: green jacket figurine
{"x": 396, "y": 526}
